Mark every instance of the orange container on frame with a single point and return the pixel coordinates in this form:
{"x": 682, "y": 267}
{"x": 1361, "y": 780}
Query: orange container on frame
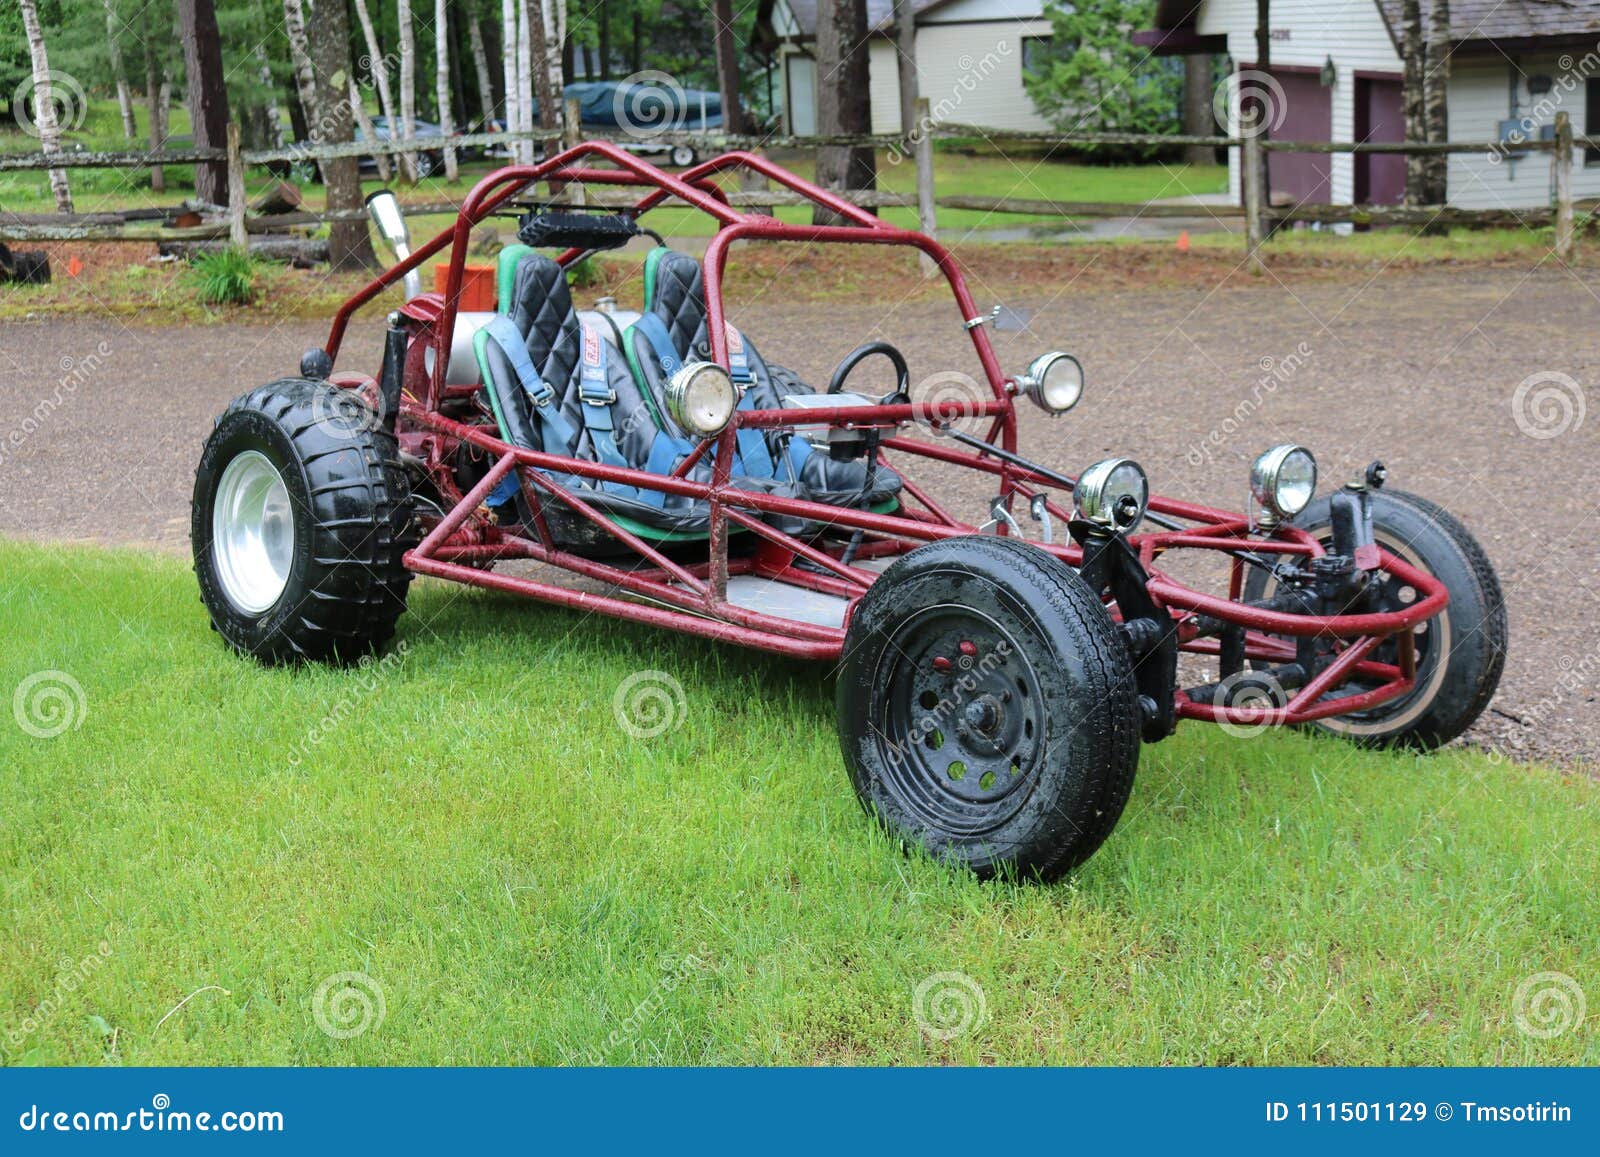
{"x": 477, "y": 287}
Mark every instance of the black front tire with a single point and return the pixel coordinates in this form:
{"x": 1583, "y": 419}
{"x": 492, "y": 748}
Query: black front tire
{"x": 1460, "y": 653}
{"x": 349, "y": 505}
{"x": 987, "y": 709}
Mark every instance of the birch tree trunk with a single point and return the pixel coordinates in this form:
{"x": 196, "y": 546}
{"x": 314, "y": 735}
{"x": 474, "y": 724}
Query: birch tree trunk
{"x": 554, "y": 13}
{"x": 529, "y": 23}
{"x": 368, "y": 130}
{"x": 274, "y": 114}
{"x": 44, "y": 106}
{"x": 408, "y": 88}
{"x": 510, "y": 12}
{"x": 156, "y": 95}
{"x": 1412, "y": 51}
{"x": 378, "y": 69}
{"x": 441, "y": 81}
{"x": 1436, "y": 97}
{"x": 328, "y": 35}
{"x": 294, "y": 25}
{"x": 130, "y": 128}
{"x": 480, "y": 66}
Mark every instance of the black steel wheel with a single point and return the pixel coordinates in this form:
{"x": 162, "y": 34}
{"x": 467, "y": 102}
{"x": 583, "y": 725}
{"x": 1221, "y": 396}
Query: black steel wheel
{"x": 1460, "y": 653}
{"x": 301, "y": 518}
{"x": 986, "y": 708}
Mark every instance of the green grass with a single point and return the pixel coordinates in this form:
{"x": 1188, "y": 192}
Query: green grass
{"x": 467, "y": 825}
{"x": 225, "y": 277}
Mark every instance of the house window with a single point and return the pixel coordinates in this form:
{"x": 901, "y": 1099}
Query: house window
{"x": 1591, "y": 117}
{"x": 1035, "y": 51}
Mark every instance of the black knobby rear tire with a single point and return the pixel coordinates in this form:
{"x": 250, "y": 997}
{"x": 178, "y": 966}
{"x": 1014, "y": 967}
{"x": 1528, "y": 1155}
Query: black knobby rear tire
{"x": 987, "y": 709}
{"x": 350, "y": 507}
{"x": 1461, "y": 652}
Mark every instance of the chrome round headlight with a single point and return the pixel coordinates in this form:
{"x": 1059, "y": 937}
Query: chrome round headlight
{"x": 701, "y": 398}
{"x": 1054, "y": 382}
{"x": 1113, "y": 493}
{"x": 1284, "y": 479}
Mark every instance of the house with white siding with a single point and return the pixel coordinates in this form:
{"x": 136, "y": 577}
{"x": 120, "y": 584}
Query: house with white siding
{"x": 1336, "y": 75}
{"x": 970, "y": 58}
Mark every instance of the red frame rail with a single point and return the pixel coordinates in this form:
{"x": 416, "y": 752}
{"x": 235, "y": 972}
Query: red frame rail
{"x": 693, "y": 598}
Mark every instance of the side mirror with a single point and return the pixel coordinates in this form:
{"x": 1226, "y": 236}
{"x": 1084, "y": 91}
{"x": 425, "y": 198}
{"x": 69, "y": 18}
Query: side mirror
{"x": 384, "y": 209}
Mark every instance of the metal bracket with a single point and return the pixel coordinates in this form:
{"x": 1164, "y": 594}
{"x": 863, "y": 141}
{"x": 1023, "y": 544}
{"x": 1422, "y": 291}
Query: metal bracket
{"x": 1040, "y": 511}
{"x": 998, "y": 514}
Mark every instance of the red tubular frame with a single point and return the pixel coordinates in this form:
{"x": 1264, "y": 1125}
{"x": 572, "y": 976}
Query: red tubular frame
{"x": 693, "y": 598}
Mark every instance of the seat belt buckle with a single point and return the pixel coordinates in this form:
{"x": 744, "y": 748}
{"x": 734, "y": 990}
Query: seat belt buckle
{"x": 595, "y": 397}
{"x": 545, "y": 395}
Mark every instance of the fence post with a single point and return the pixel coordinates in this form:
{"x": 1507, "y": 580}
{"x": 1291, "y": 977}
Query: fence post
{"x": 237, "y": 233}
{"x": 921, "y": 134}
{"x": 1563, "y": 161}
{"x": 751, "y": 181}
{"x": 1249, "y": 177}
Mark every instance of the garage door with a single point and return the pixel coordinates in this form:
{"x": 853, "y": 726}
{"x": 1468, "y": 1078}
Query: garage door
{"x": 1307, "y": 116}
{"x": 1380, "y": 116}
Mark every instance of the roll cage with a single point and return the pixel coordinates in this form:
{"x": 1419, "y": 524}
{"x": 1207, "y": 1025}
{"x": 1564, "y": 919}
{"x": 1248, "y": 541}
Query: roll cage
{"x": 461, "y": 539}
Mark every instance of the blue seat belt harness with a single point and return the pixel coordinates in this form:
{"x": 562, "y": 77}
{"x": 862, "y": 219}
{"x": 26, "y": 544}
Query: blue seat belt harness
{"x": 594, "y": 389}
{"x": 558, "y": 436}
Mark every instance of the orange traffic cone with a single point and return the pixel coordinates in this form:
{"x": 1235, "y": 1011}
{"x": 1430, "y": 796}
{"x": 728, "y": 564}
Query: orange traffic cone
{"x": 1183, "y": 241}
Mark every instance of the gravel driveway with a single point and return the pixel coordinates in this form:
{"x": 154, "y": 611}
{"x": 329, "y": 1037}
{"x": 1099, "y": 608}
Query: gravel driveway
{"x": 1470, "y": 384}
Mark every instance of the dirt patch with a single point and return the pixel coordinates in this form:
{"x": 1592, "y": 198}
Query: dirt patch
{"x": 101, "y": 421}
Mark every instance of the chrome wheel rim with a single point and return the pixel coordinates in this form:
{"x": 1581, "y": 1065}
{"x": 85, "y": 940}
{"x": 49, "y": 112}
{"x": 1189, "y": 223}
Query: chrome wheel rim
{"x": 252, "y": 532}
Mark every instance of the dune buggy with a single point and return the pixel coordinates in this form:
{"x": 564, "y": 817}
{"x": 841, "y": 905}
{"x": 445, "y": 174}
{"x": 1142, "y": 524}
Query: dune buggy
{"x": 996, "y": 680}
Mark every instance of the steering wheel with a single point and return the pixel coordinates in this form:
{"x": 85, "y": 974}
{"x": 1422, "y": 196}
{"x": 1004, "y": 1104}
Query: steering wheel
{"x": 902, "y": 389}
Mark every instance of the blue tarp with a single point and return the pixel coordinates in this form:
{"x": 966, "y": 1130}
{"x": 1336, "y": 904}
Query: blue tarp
{"x": 615, "y": 104}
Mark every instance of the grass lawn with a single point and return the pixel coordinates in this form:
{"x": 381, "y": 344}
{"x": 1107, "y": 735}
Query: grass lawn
{"x": 468, "y": 827}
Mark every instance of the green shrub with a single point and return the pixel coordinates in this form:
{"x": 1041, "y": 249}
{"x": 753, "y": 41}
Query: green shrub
{"x": 226, "y": 277}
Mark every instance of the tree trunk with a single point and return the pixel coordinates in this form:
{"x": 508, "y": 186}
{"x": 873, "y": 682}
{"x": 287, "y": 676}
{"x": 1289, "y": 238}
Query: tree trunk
{"x": 273, "y": 113}
{"x": 533, "y": 61}
{"x": 294, "y": 26}
{"x": 206, "y": 90}
{"x": 511, "y": 16}
{"x": 368, "y": 130}
{"x": 605, "y": 42}
{"x": 44, "y": 105}
{"x": 1415, "y": 102}
{"x": 1436, "y": 96}
{"x": 408, "y": 88}
{"x": 1198, "y": 119}
{"x": 130, "y": 128}
{"x": 554, "y": 14}
{"x": 530, "y": 26}
{"x": 636, "y": 44}
{"x": 378, "y": 69}
{"x": 155, "y": 97}
{"x": 1264, "y": 121}
{"x": 905, "y": 43}
{"x": 727, "y": 65}
{"x": 843, "y": 104}
{"x": 328, "y": 33}
{"x": 441, "y": 83}
{"x": 480, "y": 66}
